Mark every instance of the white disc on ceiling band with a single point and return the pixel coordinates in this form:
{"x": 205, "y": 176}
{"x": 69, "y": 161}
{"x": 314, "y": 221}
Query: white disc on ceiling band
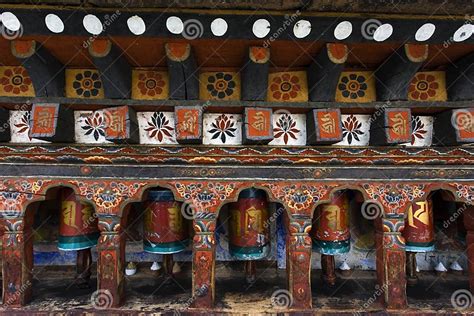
{"x": 383, "y": 32}
{"x": 92, "y": 24}
{"x": 302, "y": 28}
{"x": 343, "y": 30}
{"x": 10, "y": 21}
{"x": 261, "y": 28}
{"x": 174, "y": 25}
{"x": 54, "y": 23}
{"x": 219, "y": 27}
{"x": 425, "y": 32}
{"x": 463, "y": 33}
{"x": 136, "y": 25}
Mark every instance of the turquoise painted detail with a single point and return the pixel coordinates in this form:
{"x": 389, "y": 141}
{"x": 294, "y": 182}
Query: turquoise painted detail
{"x": 249, "y": 253}
{"x": 331, "y": 247}
{"x": 419, "y": 246}
{"x": 166, "y": 247}
{"x": 69, "y": 243}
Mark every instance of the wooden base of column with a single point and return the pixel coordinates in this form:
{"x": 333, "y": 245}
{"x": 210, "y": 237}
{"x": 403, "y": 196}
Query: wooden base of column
{"x": 250, "y": 271}
{"x": 412, "y": 278}
{"x": 83, "y": 268}
{"x": 328, "y": 267}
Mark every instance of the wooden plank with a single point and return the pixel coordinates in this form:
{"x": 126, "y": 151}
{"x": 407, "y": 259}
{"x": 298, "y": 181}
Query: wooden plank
{"x": 460, "y": 78}
{"x": 395, "y": 74}
{"x": 46, "y": 72}
{"x": 323, "y": 126}
{"x": 254, "y": 73}
{"x": 121, "y": 125}
{"x": 391, "y": 127}
{"x": 188, "y": 124}
{"x": 115, "y": 71}
{"x": 182, "y": 70}
{"x": 52, "y": 122}
{"x": 324, "y": 72}
{"x": 258, "y": 126}
{"x": 5, "y": 131}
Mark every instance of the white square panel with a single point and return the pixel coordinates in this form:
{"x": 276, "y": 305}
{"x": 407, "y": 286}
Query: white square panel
{"x": 156, "y": 127}
{"x": 289, "y": 129}
{"x": 222, "y": 129}
{"x": 19, "y": 128}
{"x": 89, "y": 127}
{"x": 422, "y": 131}
{"x": 355, "y": 130}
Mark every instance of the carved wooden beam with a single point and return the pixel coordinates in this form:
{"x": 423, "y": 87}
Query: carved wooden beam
{"x": 258, "y": 126}
{"x": 114, "y": 69}
{"x": 324, "y": 126}
{"x": 454, "y": 127}
{"x": 5, "y": 132}
{"x": 46, "y": 72}
{"x": 188, "y": 124}
{"x": 255, "y": 74}
{"x": 395, "y": 74}
{"x": 121, "y": 125}
{"x": 460, "y": 78}
{"x": 52, "y": 122}
{"x": 324, "y": 72}
{"x": 182, "y": 70}
{"x": 391, "y": 127}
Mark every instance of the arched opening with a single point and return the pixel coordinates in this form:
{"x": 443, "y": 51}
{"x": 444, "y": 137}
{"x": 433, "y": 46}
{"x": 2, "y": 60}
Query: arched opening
{"x": 250, "y": 251}
{"x": 437, "y": 262}
{"x": 158, "y": 251}
{"x": 344, "y": 263}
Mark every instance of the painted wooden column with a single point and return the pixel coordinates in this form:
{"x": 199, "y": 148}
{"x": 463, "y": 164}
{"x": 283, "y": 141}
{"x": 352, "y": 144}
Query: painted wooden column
{"x": 469, "y": 225}
{"x": 204, "y": 255}
{"x": 299, "y": 261}
{"x": 391, "y": 260}
{"x": 17, "y": 256}
{"x": 111, "y": 259}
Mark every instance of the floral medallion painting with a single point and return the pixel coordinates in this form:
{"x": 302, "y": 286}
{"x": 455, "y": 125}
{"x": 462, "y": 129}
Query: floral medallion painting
{"x": 219, "y": 86}
{"x": 15, "y": 82}
{"x": 357, "y": 86}
{"x": 89, "y": 127}
{"x": 157, "y": 127}
{"x": 20, "y": 127}
{"x": 287, "y": 86}
{"x": 422, "y": 131}
{"x": 149, "y": 84}
{"x": 84, "y": 83}
{"x": 289, "y": 129}
{"x": 428, "y": 86}
{"x": 222, "y": 129}
{"x": 355, "y": 130}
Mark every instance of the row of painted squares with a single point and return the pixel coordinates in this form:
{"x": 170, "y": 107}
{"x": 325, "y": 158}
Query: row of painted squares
{"x": 159, "y": 128}
{"x": 282, "y": 86}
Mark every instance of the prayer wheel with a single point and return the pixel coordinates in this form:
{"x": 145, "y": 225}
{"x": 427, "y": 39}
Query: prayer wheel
{"x": 165, "y": 228}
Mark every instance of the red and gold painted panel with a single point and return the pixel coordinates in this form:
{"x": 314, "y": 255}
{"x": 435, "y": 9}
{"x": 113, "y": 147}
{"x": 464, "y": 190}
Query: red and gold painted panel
{"x": 399, "y": 125}
{"x": 15, "y": 82}
{"x": 219, "y": 86}
{"x": 463, "y": 121}
{"x": 84, "y": 83}
{"x": 288, "y": 86}
{"x": 148, "y": 84}
{"x": 356, "y": 86}
{"x": 428, "y": 86}
{"x": 188, "y": 123}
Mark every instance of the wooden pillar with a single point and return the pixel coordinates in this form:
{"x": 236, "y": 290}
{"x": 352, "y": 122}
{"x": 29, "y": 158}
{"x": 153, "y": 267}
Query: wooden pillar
{"x": 111, "y": 259}
{"x": 299, "y": 261}
{"x": 469, "y": 225}
{"x": 391, "y": 260}
{"x": 204, "y": 256}
{"x": 17, "y": 256}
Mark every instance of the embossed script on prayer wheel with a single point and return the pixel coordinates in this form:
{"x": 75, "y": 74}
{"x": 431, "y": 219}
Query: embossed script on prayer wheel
{"x": 249, "y": 234}
{"x": 419, "y": 230}
{"x": 165, "y": 228}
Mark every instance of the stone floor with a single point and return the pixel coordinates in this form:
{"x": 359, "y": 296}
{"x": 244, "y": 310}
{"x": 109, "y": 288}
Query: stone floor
{"x": 147, "y": 291}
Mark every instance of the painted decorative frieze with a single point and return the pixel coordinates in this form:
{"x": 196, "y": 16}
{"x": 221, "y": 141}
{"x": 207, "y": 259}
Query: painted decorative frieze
{"x": 356, "y": 86}
{"x": 287, "y": 86}
{"x": 222, "y": 129}
{"x": 89, "y": 127}
{"x": 20, "y": 128}
{"x": 219, "y": 86}
{"x": 422, "y": 131}
{"x": 157, "y": 127}
{"x": 149, "y": 84}
{"x": 289, "y": 129}
{"x": 15, "y": 82}
{"x": 355, "y": 130}
{"x": 84, "y": 83}
{"x": 428, "y": 86}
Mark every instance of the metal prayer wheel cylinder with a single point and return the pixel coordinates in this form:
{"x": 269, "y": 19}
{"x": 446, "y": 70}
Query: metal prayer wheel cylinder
{"x": 77, "y": 223}
{"x": 419, "y": 229}
{"x": 330, "y": 233}
{"x": 249, "y": 234}
{"x": 165, "y": 229}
